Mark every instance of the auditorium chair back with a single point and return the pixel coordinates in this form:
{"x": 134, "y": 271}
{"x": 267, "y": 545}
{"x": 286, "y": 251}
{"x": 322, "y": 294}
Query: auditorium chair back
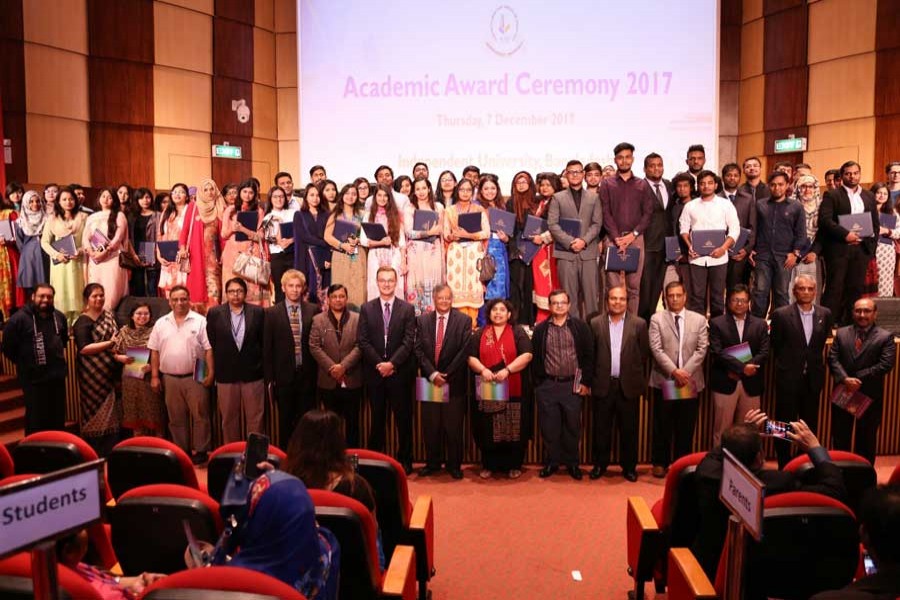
{"x": 147, "y": 529}
{"x": 895, "y": 476}
{"x": 145, "y": 460}
{"x": 680, "y": 508}
{"x": 859, "y": 474}
{"x": 220, "y": 583}
{"x": 47, "y": 451}
{"x": 7, "y": 467}
{"x": 222, "y": 462}
{"x": 16, "y": 583}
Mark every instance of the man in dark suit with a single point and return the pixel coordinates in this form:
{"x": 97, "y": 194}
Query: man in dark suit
{"x": 736, "y": 385}
{"x": 655, "y": 237}
{"x": 621, "y": 350}
{"x": 860, "y": 357}
{"x": 846, "y": 254}
{"x": 753, "y": 183}
{"x": 576, "y": 256}
{"x": 738, "y": 271}
{"x": 442, "y": 339}
{"x": 288, "y": 365}
{"x": 799, "y": 333}
{"x": 387, "y": 328}
{"x": 235, "y": 331}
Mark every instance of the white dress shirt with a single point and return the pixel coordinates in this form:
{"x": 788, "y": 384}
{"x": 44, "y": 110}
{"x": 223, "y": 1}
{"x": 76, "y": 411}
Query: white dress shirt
{"x": 856, "y": 202}
{"x": 712, "y": 214}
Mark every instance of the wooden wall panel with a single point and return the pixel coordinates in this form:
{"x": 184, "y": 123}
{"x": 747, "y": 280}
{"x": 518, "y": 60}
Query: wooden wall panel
{"x": 729, "y": 53}
{"x": 887, "y": 25}
{"x": 786, "y": 94}
{"x": 121, "y": 153}
{"x": 242, "y": 11}
{"x": 232, "y": 49}
{"x": 58, "y": 150}
{"x": 119, "y": 92}
{"x": 286, "y": 59}
{"x": 183, "y": 99}
{"x": 56, "y": 82}
{"x": 15, "y": 128}
{"x": 887, "y": 142}
{"x": 887, "y": 81}
{"x": 771, "y": 7}
{"x": 285, "y": 16}
{"x": 857, "y": 28}
{"x": 287, "y": 114}
{"x": 785, "y": 39}
{"x": 180, "y": 155}
{"x": 264, "y": 56}
{"x": 265, "y": 162}
{"x": 203, "y": 6}
{"x": 842, "y": 89}
{"x": 833, "y": 143}
{"x": 289, "y": 157}
{"x": 183, "y": 38}
{"x": 12, "y": 25}
{"x": 12, "y": 87}
{"x": 265, "y": 15}
{"x": 109, "y": 38}
{"x": 46, "y": 19}
{"x": 225, "y": 121}
{"x": 12, "y": 75}
{"x": 729, "y": 101}
{"x": 752, "y": 42}
{"x": 265, "y": 112}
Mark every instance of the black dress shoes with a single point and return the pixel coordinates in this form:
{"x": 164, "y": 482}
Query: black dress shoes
{"x": 456, "y": 473}
{"x": 631, "y": 476}
{"x": 426, "y": 471}
{"x": 597, "y": 472}
{"x": 575, "y": 472}
{"x": 548, "y": 471}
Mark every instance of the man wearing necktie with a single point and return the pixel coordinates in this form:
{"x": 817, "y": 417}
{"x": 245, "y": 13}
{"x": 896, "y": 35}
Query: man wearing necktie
{"x": 798, "y": 336}
{"x": 660, "y": 226}
{"x": 387, "y": 327}
{"x": 860, "y": 357}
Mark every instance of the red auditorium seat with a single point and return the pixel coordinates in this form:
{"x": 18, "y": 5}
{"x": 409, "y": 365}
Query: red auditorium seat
{"x": 399, "y": 520}
{"x": 47, "y": 451}
{"x": 895, "y": 476}
{"x": 672, "y": 522}
{"x": 859, "y": 474}
{"x": 147, "y": 460}
{"x": 354, "y": 527}
{"x": 15, "y": 580}
{"x": 194, "y": 584}
{"x": 7, "y": 467}
{"x": 147, "y": 530}
{"x": 222, "y": 461}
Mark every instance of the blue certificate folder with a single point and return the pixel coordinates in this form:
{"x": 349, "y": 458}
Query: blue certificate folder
{"x": 65, "y": 245}
{"x": 470, "y": 222}
{"x": 287, "y": 230}
{"x": 889, "y": 221}
{"x": 147, "y": 252}
{"x": 423, "y": 220}
{"x": 623, "y": 261}
{"x": 673, "y": 248}
{"x": 534, "y": 226}
{"x": 344, "y": 229}
{"x": 502, "y": 220}
{"x": 374, "y": 231}
{"x": 742, "y": 240}
{"x": 168, "y": 250}
{"x": 860, "y": 223}
{"x": 250, "y": 220}
{"x": 572, "y": 227}
{"x": 705, "y": 241}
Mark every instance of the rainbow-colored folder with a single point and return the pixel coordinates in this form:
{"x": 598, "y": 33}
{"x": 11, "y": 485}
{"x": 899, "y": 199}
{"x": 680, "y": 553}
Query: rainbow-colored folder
{"x": 671, "y": 391}
{"x": 491, "y": 391}
{"x": 426, "y": 391}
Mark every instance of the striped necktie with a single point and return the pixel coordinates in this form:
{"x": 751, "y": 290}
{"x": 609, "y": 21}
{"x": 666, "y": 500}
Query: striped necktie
{"x": 295, "y": 330}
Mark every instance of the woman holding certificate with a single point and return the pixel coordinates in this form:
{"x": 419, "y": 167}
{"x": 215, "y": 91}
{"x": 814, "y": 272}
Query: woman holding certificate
{"x": 241, "y": 233}
{"x": 348, "y": 259}
{"x": 423, "y": 222}
{"x": 390, "y": 249}
{"x": 61, "y": 241}
{"x": 499, "y": 354}
{"x": 171, "y": 222}
{"x": 490, "y": 199}
{"x": 465, "y": 230}
{"x": 104, "y": 233}
{"x": 312, "y": 256}
{"x": 142, "y": 408}
{"x": 279, "y": 232}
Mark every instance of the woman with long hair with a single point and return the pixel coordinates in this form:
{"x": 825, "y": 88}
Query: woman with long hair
{"x": 363, "y": 188}
{"x": 171, "y": 223}
{"x": 446, "y": 187}
{"x": 544, "y": 277}
{"x": 281, "y": 247}
{"x": 501, "y": 351}
{"x": 95, "y": 332}
{"x": 465, "y": 250}
{"x": 143, "y": 409}
{"x": 66, "y": 267}
{"x": 424, "y": 249}
{"x": 51, "y": 192}
{"x": 498, "y": 287}
{"x": 348, "y": 259}
{"x": 11, "y": 296}
{"x": 390, "y": 250}
{"x": 200, "y": 242}
{"x": 125, "y": 194}
{"x": 29, "y": 227}
{"x": 523, "y": 197}
{"x": 328, "y": 194}
{"x": 144, "y": 229}
{"x": 885, "y": 255}
{"x": 246, "y": 201}
{"x": 105, "y": 232}
{"x": 312, "y": 254}
{"x": 403, "y": 185}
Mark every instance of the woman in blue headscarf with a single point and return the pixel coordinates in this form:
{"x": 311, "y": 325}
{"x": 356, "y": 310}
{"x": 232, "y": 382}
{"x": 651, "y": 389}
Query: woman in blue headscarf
{"x": 282, "y": 540}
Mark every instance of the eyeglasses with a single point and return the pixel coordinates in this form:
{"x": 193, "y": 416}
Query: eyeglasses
{"x": 739, "y": 301}
{"x": 560, "y": 303}
{"x": 574, "y": 171}
{"x": 235, "y": 291}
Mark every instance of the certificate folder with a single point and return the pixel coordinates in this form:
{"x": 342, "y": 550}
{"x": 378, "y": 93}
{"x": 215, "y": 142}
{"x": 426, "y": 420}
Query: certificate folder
{"x": 534, "y": 226}
{"x": 622, "y": 261}
{"x": 470, "y": 222}
{"x": 860, "y": 224}
{"x": 673, "y": 249}
{"x": 741, "y": 242}
{"x": 572, "y": 227}
{"x": 287, "y": 230}
{"x": 705, "y": 241}
{"x": 527, "y": 250}
{"x": 889, "y": 222}
{"x": 502, "y": 220}
{"x": 374, "y": 231}
{"x": 424, "y": 220}
{"x": 168, "y": 250}
{"x": 250, "y": 220}
{"x": 147, "y": 252}
{"x": 344, "y": 230}
{"x": 65, "y": 245}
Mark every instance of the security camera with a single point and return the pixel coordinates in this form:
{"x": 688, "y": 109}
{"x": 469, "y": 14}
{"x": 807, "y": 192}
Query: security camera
{"x": 242, "y": 110}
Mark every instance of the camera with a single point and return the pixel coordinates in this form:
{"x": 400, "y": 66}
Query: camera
{"x": 243, "y": 111}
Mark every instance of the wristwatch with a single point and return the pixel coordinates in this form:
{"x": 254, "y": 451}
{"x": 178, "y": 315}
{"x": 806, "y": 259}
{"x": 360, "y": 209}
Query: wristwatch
{"x": 635, "y": 233}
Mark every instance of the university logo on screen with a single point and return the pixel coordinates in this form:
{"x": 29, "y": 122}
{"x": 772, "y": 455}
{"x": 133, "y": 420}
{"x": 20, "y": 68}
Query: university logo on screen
{"x": 504, "y": 29}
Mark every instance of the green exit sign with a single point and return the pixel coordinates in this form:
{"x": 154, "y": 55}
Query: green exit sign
{"x": 794, "y": 144}
{"x": 226, "y": 151}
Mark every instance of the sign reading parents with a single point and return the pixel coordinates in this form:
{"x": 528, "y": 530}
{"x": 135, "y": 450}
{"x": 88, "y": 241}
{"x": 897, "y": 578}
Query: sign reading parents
{"x": 743, "y": 493}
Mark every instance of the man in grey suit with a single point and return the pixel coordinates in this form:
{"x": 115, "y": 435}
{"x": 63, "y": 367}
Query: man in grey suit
{"x": 678, "y": 343}
{"x": 576, "y": 256}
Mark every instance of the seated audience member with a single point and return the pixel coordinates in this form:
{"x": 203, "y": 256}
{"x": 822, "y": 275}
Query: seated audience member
{"x": 70, "y": 551}
{"x": 879, "y": 528}
{"x": 280, "y": 538}
{"x": 745, "y": 443}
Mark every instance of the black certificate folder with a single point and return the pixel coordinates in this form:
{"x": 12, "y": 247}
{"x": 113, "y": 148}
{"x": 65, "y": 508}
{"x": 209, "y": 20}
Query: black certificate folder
{"x": 705, "y": 241}
{"x": 470, "y": 222}
{"x": 860, "y": 224}
{"x": 623, "y": 261}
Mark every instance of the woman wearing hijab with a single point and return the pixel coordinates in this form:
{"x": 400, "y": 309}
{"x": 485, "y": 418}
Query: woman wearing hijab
{"x": 281, "y": 538}
{"x": 200, "y": 237}
{"x": 29, "y": 228}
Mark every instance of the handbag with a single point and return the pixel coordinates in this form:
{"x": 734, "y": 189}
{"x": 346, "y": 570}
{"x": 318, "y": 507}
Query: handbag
{"x": 128, "y": 258}
{"x": 487, "y": 266}
{"x": 184, "y": 260}
{"x": 252, "y": 268}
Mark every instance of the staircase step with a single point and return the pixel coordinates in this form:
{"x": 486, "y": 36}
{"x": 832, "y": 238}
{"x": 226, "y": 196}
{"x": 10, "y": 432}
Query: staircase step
{"x": 11, "y": 420}
{"x": 11, "y": 399}
{"x": 8, "y": 382}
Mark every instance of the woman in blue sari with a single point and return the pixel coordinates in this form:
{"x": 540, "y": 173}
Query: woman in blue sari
{"x": 489, "y": 197}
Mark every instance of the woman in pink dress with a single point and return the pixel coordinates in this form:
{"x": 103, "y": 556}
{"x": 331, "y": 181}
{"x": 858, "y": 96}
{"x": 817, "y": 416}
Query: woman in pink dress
{"x": 200, "y": 236}
{"x": 171, "y": 222}
{"x": 247, "y": 201}
{"x": 104, "y": 233}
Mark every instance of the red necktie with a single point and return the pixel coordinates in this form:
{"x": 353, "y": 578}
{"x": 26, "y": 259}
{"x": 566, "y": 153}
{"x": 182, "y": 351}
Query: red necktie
{"x": 440, "y": 340}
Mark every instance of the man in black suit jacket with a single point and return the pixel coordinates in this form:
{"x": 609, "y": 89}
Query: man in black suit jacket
{"x": 846, "y": 254}
{"x": 444, "y": 363}
{"x": 799, "y": 332}
{"x": 745, "y": 205}
{"x": 235, "y": 332}
{"x": 861, "y": 355}
{"x": 387, "y": 328}
{"x": 288, "y": 364}
{"x": 736, "y": 385}
{"x": 655, "y": 236}
{"x": 621, "y": 351}
{"x": 753, "y": 184}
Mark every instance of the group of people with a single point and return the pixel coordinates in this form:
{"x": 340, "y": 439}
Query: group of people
{"x": 325, "y": 293}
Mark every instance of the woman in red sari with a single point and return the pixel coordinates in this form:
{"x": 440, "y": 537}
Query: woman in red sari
{"x": 200, "y": 238}
{"x": 501, "y": 351}
{"x": 11, "y": 296}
